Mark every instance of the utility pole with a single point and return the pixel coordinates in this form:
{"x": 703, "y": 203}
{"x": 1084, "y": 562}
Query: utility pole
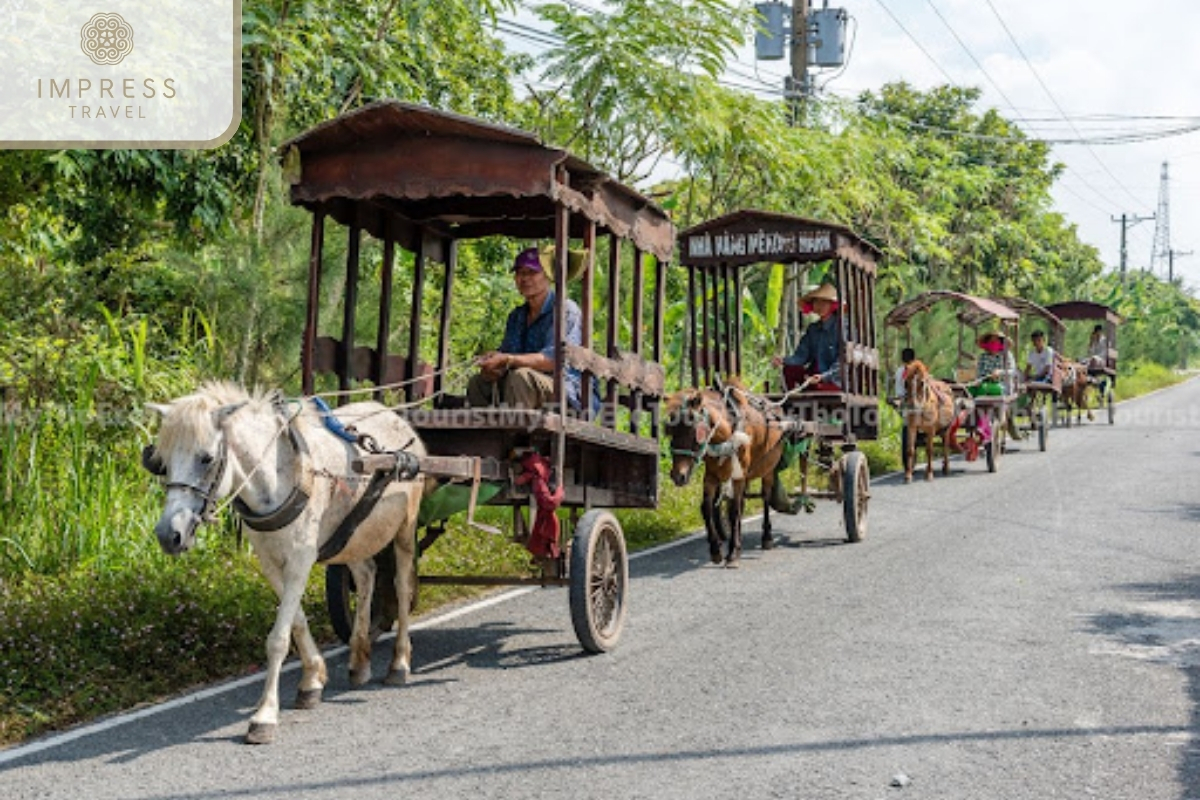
{"x": 1171, "y": 262}
{"x": 798, "y": 92}
{"x": 1127, "y": 221}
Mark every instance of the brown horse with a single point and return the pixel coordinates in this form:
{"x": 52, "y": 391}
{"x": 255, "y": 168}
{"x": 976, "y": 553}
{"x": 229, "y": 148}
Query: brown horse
{"x": 928, "y": 408}
{"x": 1076, "y": 390}
{"x": 738, "y": 441}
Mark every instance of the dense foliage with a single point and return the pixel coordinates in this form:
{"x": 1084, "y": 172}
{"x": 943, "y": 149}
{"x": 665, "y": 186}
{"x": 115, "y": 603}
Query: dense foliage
{"x": 128, "y": 276}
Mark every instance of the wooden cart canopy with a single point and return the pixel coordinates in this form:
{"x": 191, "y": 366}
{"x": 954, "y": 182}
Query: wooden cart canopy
{"x": 750, "y": 237}
{"x": 1029, "y": 308}
{"x": 1084, "y": 309}
{"x": 974, "y": 311}
{"x": 397, "y": 167}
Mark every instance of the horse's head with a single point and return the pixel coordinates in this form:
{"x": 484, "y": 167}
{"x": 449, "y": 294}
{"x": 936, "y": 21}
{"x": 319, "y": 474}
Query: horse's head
{"x": 689, "y": 427}
{"x": 192, "y": 456}
{"x": 915, "y": 374}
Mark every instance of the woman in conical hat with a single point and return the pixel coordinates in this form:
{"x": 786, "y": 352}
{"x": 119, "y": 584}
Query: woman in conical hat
{"x": 996, "y": 367}
{"x": 818, "y": 354}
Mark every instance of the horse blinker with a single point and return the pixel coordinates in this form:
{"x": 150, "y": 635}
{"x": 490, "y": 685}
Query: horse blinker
{"x": 152, "y": 462}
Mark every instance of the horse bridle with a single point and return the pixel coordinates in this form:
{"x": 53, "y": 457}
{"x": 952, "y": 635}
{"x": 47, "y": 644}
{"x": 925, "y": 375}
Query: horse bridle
{"x": 213, "y": 479}
{"x": 699, "y": 453}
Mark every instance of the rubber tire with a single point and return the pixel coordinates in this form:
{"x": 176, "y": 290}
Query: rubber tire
{"x": 599, "y": 581}
{"x": 856, "y": 491}
{"x": 1043, "y": 430}
{"x": 341, "y": 601}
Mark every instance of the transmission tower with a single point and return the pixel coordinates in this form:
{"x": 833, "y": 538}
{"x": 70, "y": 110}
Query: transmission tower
{"x": 1160, "y": 254}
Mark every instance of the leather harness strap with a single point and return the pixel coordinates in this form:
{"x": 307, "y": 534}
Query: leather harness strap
{"x": 296, "y": 502}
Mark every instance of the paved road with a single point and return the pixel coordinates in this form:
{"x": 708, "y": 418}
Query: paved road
{"x": 1029, "y": 634}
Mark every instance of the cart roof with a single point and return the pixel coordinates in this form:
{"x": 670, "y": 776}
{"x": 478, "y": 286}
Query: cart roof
{"x": 398, "y": 166}
{"x": 1084, "y": 309}
{"x": 1031, "y": 309}
{"x": 750, "y": 237}
{"x": 974, "y": 311}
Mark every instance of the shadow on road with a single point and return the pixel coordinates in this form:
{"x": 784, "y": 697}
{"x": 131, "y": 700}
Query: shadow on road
{"x": 739, "y": 758}
{"x": 1164, "y": 628}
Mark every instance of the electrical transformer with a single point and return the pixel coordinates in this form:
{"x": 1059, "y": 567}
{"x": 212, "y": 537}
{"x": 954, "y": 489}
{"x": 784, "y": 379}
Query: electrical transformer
{"x": 827, "y": 37}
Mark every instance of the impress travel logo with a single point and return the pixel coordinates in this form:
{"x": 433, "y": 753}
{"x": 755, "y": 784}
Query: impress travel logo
{"x": 130, "y": 73}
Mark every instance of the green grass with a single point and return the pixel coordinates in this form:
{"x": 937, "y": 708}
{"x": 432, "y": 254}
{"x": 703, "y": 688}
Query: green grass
{"x": 1143, "y": 377}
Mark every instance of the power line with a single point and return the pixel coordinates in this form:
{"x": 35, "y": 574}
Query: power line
{"x": 1054, "y": 100}
{"x": 971, "y": 55}
{"x": 920, "y": 46}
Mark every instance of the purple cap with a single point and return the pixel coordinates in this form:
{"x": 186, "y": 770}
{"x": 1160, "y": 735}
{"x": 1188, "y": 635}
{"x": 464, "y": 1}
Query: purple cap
{"x": 528, "y": 259}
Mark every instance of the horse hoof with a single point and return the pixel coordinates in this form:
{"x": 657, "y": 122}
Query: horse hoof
{"x": 768, "y": 544}
{"x": 360, "y": 677}
{"x": 928, "y": 476}
{"x": 908, "y": 478}
{"x": 308, "y": 698}
{"x": 261, "y": 733}
{"x": 732, "y": 563}
{"x": 396, "y": 677}
{"x": 716, "y": 558}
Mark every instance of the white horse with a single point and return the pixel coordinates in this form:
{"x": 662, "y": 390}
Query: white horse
{"x": 294, "y": 488}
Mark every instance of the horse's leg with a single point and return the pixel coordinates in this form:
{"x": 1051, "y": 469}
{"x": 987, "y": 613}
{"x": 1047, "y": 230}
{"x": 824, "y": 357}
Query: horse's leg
{"x": 946, "y": 446}
{"x": 910, "y": 447}
{"x": 313, "y": 675}
{"x": 360, "y": 635}
{"x": 768, "y": 486}
{"x": 734, "y": 513}
{"x": 405, "y": 548}
{"x": 292, "y": 577}
{"x": 709, "y": 512}
{"x": 930, "y": 435}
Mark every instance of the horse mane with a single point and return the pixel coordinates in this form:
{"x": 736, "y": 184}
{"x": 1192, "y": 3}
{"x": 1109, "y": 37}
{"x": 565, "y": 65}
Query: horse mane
{"x": 189, "y": 419}
{"x": 737, "y": 390}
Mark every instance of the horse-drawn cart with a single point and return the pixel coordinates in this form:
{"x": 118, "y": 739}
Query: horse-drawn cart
{"x": 1101, "y": 364}
{"x": 824, "y": 424}
{"x": 984, "y": 416}
{"x": 1037, "y": 408}
{"x": 423, "y": 181}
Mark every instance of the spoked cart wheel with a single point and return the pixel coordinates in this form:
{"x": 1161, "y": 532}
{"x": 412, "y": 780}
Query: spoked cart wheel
{"x": 856, "y": 491}
{"x": 992, "y": 449}
{"x": 1043, "y": 428}
{"x": 342, "y": 602}
{"x": 599, "y": 580}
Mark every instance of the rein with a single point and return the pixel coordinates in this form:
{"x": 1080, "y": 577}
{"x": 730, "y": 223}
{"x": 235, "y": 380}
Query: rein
{"x": 215, "y": 475}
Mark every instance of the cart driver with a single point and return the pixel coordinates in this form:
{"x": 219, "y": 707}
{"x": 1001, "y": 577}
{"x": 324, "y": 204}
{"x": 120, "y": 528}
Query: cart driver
{"x": 1097, "y": 352}
{"x": 817, "y": 355}
{"x": 995, "y": 368}
{"x": 1039, "y": 363}
{"x": 520, "y": 374}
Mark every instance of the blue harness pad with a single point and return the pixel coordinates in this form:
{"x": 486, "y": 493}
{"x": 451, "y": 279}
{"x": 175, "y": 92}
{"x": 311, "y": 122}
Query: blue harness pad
{"x": 332, "y": 423}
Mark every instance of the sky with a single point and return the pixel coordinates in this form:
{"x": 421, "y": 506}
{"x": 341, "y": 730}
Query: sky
{"x": 1061, "y": 69}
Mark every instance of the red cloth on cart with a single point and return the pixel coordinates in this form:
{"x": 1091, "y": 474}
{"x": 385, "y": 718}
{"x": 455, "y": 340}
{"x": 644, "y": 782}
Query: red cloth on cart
{"x": 543, "y": 539}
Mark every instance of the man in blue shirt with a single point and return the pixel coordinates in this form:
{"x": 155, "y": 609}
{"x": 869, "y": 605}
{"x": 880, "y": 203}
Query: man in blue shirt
{"x": 819, "y": 349}
{"x": 521, "y": 373}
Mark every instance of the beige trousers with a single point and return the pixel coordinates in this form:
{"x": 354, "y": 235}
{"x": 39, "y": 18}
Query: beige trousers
{"x": 519, "y": 388}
